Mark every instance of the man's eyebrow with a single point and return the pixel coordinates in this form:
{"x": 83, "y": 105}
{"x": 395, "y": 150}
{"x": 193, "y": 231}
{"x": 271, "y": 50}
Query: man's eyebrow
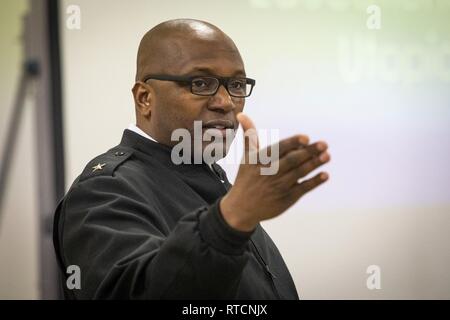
{"x": 208, "y": 71}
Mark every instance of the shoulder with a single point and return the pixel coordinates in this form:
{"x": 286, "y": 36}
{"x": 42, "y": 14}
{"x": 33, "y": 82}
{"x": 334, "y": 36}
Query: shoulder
{"x": 106, "y": 164}
{"x": 105, "y": 179}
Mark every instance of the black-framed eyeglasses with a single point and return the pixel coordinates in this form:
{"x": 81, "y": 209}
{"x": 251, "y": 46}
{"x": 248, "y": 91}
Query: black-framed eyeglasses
{"x": 238, "y": 87}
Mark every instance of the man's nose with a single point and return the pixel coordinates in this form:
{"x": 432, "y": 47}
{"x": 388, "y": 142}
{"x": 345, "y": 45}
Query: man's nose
{"x": 221, "y": 101}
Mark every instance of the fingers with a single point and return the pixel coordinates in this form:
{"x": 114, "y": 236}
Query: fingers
{"x": 297, "y": 157}
{"x": 251, "y": 143}
{"x": 292, "y": 143}
{"x": 291, "y": 177}
{"x": 307, "y": 185}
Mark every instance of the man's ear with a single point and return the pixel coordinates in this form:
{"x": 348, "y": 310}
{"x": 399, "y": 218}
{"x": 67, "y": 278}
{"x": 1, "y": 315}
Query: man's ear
{"x": 143, "y": 98}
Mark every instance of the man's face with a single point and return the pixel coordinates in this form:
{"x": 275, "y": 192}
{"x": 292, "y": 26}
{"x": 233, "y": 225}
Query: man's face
{"x": 176, "y": 107}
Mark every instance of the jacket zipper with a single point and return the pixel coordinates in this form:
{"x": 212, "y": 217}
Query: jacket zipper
{"x": 214, "y": 173}
{"x": 266, "y": 268}
{"x": 258, "y": 255}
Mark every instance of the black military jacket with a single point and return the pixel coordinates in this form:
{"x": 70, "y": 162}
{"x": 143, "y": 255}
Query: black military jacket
{"x": 140, "y": 227}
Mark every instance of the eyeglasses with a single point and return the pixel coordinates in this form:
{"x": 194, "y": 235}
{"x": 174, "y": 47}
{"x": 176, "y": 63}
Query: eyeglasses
{"x": 208, "y": 86}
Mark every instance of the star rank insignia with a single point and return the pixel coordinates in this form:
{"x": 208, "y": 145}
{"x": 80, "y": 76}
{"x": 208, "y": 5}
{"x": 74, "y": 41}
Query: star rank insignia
{"x": 98, "y": 167}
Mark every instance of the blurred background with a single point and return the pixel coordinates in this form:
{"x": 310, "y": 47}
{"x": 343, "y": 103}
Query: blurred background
{"x": 372, "y": 78}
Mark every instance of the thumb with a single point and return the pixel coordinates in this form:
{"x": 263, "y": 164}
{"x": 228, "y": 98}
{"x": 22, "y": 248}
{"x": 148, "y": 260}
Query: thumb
{"x": 251, "y": 142}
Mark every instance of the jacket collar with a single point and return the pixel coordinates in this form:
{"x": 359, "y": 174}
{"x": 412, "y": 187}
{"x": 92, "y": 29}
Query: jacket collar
{"x": 162, "y": 154}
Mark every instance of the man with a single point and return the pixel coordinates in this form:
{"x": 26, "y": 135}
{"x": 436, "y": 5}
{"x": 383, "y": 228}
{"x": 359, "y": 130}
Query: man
{"x": 140, "y": 226}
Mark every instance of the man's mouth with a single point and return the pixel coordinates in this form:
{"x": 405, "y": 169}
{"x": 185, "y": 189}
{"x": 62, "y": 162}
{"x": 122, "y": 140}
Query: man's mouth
{"x": 218, "y": 124}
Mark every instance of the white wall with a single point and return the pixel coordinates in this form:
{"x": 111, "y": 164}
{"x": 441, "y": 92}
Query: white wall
{"x": 378, "y": 97}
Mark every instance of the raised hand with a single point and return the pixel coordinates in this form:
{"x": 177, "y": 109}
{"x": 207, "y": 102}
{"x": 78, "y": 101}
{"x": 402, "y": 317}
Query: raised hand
{"x": 255, "y": 197}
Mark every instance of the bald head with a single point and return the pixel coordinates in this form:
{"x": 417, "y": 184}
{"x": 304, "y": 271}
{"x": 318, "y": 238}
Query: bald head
{"x": 166, "y": 47}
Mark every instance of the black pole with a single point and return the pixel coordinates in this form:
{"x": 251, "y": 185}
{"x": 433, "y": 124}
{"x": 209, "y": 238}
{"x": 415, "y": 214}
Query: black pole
{"x": 56, "y": 96}
{"x": 50, "y": 287}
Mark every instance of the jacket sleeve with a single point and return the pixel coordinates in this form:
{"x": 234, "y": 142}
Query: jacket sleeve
{"x": 123, "y": 247}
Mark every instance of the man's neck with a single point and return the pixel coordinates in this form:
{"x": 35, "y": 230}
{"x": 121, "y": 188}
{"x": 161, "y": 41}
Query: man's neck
{"x": 140, "y": 132}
